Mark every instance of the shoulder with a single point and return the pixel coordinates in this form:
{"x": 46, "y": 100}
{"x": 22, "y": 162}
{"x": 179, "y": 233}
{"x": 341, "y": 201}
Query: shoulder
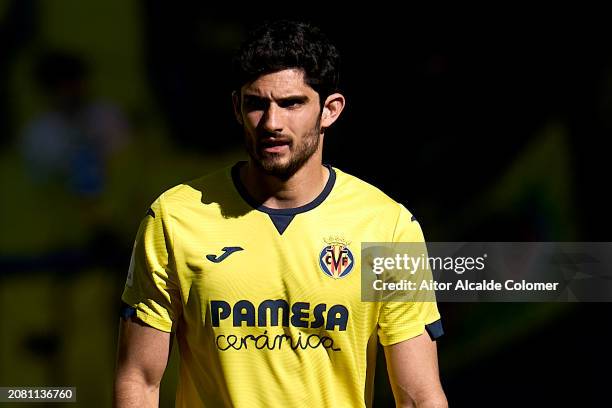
{"x": 356, "y": 188}
{"x": 361, "y": 196}
{"x": 206, "y": 192}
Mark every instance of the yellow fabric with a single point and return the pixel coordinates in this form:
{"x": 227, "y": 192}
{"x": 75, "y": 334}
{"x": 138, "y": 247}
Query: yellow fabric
{"x": 266, "y": 326}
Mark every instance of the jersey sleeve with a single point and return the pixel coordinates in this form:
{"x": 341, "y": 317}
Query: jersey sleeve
{"x": 402, "y": 320}
{"x": 152, "y": 285}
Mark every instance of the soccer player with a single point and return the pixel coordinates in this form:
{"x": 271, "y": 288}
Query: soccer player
{"x": 256, "y": 268}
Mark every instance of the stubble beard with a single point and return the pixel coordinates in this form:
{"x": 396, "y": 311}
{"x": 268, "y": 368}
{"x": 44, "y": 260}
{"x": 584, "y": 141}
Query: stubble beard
{"x": 273, "y": 165}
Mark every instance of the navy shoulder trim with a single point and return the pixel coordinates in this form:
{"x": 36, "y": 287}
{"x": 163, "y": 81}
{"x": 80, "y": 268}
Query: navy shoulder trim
{"x": 435, "y": 329}
{"x": 127, "y": 312}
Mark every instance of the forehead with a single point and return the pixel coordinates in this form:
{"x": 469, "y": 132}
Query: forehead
{"x": 275, "y": 85}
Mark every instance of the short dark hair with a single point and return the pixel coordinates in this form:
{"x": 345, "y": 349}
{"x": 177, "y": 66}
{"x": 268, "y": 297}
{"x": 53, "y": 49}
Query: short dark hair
{"x": 284, "y": 44}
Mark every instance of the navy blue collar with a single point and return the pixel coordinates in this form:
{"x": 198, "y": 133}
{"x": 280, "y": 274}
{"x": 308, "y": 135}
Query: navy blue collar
{"x": 282, "y": 211}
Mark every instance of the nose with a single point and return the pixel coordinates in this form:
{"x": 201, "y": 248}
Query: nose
{"x": 271, "y": 120}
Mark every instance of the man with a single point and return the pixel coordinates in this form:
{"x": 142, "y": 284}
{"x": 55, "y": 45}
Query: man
{"x": 256, "y": 268}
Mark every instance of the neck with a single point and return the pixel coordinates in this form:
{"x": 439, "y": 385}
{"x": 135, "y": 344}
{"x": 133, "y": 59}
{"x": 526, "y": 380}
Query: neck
{"x": 300, "y": 189}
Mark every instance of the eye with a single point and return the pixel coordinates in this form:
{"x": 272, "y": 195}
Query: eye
{"x": 291, "y": 103}
{"x": 254, "y": 104}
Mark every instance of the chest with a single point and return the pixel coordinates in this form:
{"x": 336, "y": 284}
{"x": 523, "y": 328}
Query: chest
{"x": 246, "y": 273}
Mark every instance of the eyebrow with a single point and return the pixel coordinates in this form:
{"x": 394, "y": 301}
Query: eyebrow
{"x": 289, "y": 98}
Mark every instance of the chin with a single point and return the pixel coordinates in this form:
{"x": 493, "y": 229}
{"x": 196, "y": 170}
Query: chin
{"x": 272, "y": 160}
{"x": 275, "y": 168}
{"x": 278, "y": 168}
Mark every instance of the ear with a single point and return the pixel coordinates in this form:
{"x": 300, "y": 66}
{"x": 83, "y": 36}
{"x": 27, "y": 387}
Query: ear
{"x": 237, "y": 106}
{"x": 332, "y": 108}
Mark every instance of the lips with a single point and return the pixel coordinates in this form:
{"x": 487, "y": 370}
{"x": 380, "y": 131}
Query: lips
{"x": 274, "y": 145}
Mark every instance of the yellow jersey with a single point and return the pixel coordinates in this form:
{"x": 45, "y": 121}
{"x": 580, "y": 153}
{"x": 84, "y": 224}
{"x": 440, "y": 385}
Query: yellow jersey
{"x": 266, "y": 303}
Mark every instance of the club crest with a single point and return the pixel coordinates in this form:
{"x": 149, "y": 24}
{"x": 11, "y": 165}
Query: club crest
{"x": 336, "y": 259}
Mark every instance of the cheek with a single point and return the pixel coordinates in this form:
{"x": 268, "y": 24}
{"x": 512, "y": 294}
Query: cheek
{"x": 306, "y": 119}
{"x": 309, "y": 122}
{"x": 251, "y": 120}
